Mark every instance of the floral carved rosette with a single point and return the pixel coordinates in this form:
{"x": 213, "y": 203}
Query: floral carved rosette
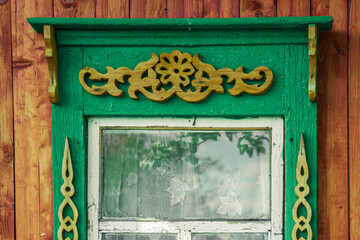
{"x": 175, "y": 70}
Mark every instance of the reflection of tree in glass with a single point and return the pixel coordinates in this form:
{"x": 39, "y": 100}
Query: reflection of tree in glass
{"x": 249, "y": 143}
{"x": 187, "y": 143}
{"x": 188, "y": 166}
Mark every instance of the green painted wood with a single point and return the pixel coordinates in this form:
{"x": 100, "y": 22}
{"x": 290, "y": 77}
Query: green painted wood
{"x": 68, "y": 121}
{"x": 324, "y": 23}
{"x": 244, "y": 105}
{"x": 285, "y": 54}
{"x": 300, "y": 117}
{"x": 181, "y": 37}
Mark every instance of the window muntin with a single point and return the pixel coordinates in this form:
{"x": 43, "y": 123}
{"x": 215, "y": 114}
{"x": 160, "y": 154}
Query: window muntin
{"x": 105, "y": 130}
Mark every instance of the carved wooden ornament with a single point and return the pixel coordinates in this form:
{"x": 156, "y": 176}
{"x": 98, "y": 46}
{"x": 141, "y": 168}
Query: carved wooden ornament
{"x": 176, "y": 70}
{"x": 302, "y": 190}
{"x": 313, "y": 55}
{"x": 68, "y": 190}
{"x": 51, "y": 57}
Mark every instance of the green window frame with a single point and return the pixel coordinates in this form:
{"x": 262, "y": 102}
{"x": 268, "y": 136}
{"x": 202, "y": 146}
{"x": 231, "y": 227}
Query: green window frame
{"x": 285, "y": 45}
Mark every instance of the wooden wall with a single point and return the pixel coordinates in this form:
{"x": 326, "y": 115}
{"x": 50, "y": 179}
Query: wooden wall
{"x": 25, "y": 116}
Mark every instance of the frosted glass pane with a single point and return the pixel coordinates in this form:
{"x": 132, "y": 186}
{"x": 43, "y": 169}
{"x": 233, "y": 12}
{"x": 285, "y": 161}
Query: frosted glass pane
{"x": 121, "y": 236}
{"x": 238, "y": 236}
{"x": 183, "y": 174}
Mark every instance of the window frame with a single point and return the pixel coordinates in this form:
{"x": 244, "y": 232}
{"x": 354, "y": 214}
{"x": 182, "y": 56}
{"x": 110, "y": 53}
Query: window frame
{"x": 284, "y": 44}
{"x": 274, "y": 227}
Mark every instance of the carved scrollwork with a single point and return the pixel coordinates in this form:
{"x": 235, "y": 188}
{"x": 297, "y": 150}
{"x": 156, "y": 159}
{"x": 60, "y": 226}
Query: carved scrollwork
{"x": 67, "y": 224}
{"x": 302, "y": 190}
{"x": 175, "y": 69}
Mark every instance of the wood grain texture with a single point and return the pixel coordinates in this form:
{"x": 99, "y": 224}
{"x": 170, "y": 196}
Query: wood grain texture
{"x": 293, "y": 8}
{"x": 332, "y": 123}
{"x": 74, "y": 8}
{"x": 211, "y": 8}
{"x": 354, "y": 116}
{"x": 113, "y": 9}
{"x": 175, "y": 9}
{"x": 332, "y": 136}
{"x": 221, "y": 8}
{"x": 148, "y": 9}
{"x": 257, "y": 8}
{"x": 70, "y": 108}
{"x": 32, "y": 124}
{"x": 7, "y": 206}
{"x": 193, "y": 8}
{"x": 185, "y": 9}
{"x": 299, "y": 120}
{"x": 229, "y": 8}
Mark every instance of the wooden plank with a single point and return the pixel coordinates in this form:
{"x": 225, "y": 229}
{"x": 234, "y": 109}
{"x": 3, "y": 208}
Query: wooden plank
{"x": 324, "y": 23}
{"x": 211, "y": 8}
{"x": 354, "y": 116}
{"x": 73, "y": 8}
{"x": 43, "y": 139}
{"x": 193, "y": 8}
{"x": 332, "y": 123}
{"x": 299, "y": 119}
{"x": 70, "y": 108}
{"x": 229, "y": 8}
{"x": 7, "y": 211}
{"x": 148, "y": 9}
{"x": 185, "y": 9}
{"x": 112, "y": 9}
{"x": 294, "y": 8}
{"x": 31, "y": 124}
{"x": 257, "y": 8}
{"x": 175, "y": 9}
{"x": 222, "y": 9}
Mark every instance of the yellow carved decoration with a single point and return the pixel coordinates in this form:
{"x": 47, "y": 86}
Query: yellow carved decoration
{"x": 313, "y": 38}
{"x": 175, "y": 70}
{"x": 51, "y": 57}
{"x": 68, "y": 190}
{"x": 302, "y": 190}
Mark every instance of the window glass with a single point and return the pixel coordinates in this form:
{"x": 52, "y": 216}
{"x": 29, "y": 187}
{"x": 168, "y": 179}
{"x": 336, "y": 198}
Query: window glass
{"x": 186, "y": 174}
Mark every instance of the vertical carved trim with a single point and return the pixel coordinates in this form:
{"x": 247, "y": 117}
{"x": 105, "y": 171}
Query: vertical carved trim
{"x": 313, "y": 41}
{"x": 302, "y": 190}
{"x": 67, "y": 190}
{"x": 51, "y": 57}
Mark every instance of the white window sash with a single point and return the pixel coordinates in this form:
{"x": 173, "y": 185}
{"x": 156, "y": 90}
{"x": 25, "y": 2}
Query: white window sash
{"x": 274, "y": 227}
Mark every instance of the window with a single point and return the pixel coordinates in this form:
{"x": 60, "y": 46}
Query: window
{"x": 115, "y": 83}
{"x": 173, "y": 178}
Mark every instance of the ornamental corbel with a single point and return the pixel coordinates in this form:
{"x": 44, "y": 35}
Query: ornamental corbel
{"x": 313, "y": 54}
{"x": 51, "y": 57}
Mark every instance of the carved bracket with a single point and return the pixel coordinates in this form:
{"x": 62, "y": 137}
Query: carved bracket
{"x": 67, "y": 224}
{"x": 51, "y": 57}
{"x": 313, "y": 54}
{"x": 176, "y": 69}
{"x": 302, "y": 190}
